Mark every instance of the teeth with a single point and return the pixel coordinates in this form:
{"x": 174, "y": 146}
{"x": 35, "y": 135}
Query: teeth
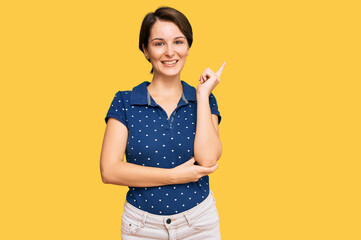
{"x": 170, "y": 62}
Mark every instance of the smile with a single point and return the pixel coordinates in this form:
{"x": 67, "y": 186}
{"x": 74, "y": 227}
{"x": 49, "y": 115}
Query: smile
{"x": 170, "y": 63}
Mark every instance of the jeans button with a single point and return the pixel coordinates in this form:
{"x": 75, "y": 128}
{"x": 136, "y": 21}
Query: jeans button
{"x": 169, "y": 221}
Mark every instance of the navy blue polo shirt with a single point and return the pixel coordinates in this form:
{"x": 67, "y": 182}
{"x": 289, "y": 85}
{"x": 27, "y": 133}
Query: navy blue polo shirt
{"x": 158, "y": 141}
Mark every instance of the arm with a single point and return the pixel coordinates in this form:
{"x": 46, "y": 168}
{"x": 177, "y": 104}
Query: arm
{"x": 115, "y": 171}
{"x": 207, "y": 145}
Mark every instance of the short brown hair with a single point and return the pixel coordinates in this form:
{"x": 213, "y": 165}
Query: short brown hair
{"x": 165, "y": 14}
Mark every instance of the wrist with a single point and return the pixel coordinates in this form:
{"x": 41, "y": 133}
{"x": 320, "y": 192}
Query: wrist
{"x": 172, "y": 176}
{"x": 202, "y": 95}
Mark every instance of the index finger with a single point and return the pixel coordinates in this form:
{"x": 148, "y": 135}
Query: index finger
{"x": 220, "y": 70}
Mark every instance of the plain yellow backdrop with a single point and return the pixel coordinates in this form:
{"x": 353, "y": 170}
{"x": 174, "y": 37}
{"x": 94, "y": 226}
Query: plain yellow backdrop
{"x": 289, "y": 97}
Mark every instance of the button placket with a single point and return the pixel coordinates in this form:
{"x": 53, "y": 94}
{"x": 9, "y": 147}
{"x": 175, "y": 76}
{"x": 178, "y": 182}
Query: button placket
{"x": 172, "y": 118}
{"x": 163, "y": 115}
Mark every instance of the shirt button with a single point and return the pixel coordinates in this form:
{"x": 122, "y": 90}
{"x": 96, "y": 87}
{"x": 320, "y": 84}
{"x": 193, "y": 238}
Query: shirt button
{"x": 169, "y": 221}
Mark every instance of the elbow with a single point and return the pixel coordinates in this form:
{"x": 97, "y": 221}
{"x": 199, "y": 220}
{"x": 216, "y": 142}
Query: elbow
{"x": 112, "y": 175}
{"x": 206, "y": 162}
{"x": 104, "y": 181}
{"x": 105, "y": 177}
{"x": 106, "y": 174}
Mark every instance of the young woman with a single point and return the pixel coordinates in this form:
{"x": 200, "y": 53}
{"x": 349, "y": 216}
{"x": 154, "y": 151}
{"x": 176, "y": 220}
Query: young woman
{"x": 168, "y": 131}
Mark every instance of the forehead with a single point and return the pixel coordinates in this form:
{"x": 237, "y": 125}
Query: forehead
{"x": 165, "y": 29}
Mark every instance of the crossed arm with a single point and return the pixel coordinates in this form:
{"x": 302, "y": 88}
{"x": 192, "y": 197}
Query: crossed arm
{"x": 207, "y": 150}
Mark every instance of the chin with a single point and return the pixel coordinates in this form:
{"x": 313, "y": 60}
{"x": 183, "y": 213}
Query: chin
{"x": 170, "y": 73}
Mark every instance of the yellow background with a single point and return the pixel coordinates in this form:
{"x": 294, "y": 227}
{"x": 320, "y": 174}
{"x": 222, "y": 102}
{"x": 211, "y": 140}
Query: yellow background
{"x": 289, "y": 97}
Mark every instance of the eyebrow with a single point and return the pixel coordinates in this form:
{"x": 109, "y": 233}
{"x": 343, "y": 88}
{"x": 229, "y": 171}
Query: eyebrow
{"x": 163, "y": 39}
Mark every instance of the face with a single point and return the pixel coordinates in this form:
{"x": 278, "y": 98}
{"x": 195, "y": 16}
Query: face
{"x": 166, "y": 45}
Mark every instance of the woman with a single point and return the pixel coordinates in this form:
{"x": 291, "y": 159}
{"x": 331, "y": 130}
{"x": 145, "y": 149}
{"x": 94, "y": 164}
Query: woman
{"x": 168, "y": 157}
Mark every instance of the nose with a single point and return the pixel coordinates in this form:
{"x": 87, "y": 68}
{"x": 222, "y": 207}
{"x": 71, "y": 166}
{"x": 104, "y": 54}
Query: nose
{"x": 169, "y": 51}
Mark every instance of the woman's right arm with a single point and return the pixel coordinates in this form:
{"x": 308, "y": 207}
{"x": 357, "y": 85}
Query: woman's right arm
{"x": 115, "y": 171}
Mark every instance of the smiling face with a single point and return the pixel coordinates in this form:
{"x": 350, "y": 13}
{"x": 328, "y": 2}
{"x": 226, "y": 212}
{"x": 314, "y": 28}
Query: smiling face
{"x": 167, "y": 48}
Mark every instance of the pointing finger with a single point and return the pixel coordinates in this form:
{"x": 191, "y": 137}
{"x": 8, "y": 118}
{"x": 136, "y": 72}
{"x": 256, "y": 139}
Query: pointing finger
{"x": 219, "y": 72}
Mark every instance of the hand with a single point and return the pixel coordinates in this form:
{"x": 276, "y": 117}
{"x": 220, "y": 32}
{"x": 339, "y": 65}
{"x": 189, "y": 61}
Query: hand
{"x": 209, "y": 80}
{"x": 188, "y": 172}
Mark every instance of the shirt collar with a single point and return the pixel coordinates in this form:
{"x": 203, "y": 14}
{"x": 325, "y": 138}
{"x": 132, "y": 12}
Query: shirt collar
{"x": 141, "y": 96}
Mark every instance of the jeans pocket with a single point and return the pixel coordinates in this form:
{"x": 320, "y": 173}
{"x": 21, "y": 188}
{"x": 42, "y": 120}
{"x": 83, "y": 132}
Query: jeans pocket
{"x": 129, "y": 226}
{"x": 208, "y": 220}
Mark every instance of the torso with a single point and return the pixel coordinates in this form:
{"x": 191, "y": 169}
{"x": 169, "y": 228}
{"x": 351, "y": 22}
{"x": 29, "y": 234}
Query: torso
{"x": 155, "y": 141}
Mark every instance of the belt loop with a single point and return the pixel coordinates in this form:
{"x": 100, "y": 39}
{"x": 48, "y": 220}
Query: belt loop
{"x": 213, "y": 196}
{"x": 189, "y": 219}
{"x": 144, "y": 219}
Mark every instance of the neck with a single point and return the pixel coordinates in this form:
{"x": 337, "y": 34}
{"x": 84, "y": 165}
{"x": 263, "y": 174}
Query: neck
{"x": 157, "y": 76}
{"x": 165, "y": 86}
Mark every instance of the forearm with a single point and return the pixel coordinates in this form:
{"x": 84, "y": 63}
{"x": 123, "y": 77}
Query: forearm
{"x": 129, "y": 174}
{"x": 207, "y": 145}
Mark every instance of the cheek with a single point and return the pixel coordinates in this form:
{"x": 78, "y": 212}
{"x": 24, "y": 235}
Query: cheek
{"x": 154, "y": 54}
{"x": 184, "y": 52}
{"x": 184, "y": 55}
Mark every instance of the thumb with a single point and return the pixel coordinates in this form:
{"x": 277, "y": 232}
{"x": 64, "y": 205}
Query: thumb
{"x": 214, "y": 168}
{"x": 208, "y": 170}
{"x": 190, "y": 161}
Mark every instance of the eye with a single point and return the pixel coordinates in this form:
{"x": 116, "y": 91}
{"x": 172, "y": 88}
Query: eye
{"x": 180, "y": 42}
{"x": 157, "y": 44}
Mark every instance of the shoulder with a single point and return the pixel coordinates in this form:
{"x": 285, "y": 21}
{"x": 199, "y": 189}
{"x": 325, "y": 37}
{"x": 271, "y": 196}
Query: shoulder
{"x": 123, "y": 95}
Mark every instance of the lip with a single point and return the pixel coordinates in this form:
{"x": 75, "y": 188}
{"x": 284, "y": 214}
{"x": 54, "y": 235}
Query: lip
{"x": 172, "y": 65}
{"x": 170, "y": 60}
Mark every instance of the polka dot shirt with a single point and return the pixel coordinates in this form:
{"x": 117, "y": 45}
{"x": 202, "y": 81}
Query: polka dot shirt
{"x": 158, "y": 141}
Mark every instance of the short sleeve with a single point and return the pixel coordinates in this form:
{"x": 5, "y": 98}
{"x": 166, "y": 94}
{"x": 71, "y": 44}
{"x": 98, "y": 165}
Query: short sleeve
{"x": 117, "y": 109}
{"x": 214, "y": 107}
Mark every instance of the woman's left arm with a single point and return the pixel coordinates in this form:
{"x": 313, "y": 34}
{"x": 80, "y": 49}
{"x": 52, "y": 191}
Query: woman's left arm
{"x": 207, "y": 144}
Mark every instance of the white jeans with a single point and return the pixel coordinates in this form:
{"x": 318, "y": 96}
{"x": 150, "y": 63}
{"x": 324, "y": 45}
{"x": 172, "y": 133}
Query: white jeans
{"x": 199, "y": 222}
